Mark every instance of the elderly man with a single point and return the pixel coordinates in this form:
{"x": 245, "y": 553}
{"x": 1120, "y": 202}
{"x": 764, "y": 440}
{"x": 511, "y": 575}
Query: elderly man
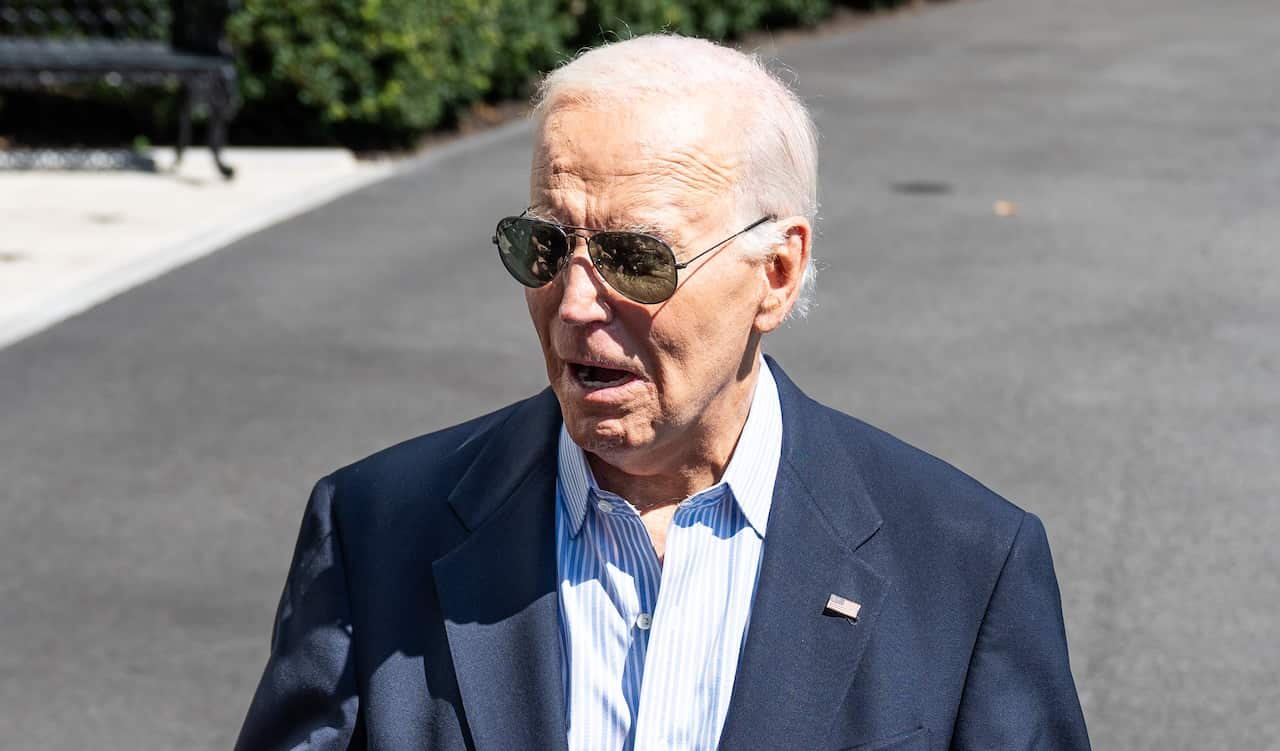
{"x": 672, "y": 547}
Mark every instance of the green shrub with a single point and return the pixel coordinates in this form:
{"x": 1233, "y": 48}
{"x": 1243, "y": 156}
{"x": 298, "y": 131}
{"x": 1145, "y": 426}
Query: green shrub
{"x": 599, "y": 21}
{"x": 533, "y": 36}
{"x": 727, "y": 19}
{"x": 798, "y": 12}
{"x": 394, "y": 67}
{"x": 714, "y": 19}
{"x": 379, "y": 73}
{"x": 868, "y": 6}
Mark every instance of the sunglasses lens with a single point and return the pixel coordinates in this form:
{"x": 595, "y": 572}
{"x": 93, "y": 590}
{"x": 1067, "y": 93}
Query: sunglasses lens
{"x": 532, "y": 251}
{"x": 638, "y": 266}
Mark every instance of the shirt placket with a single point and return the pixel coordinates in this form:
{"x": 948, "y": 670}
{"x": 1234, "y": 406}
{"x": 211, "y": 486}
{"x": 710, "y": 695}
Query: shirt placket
{"x": 661, "y": 724}
{"x": 635, "y": 576}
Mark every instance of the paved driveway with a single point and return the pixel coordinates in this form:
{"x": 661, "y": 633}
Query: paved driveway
{"x": 1106, "y": 356}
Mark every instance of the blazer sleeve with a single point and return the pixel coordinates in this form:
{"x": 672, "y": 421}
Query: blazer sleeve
{"x": 307, "y": 698}
{"x": 1019, "y": 693}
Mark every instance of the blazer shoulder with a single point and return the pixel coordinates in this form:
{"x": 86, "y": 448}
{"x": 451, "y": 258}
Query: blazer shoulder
{"x": 916, "y": 490}
{"x": 419, "y": 470}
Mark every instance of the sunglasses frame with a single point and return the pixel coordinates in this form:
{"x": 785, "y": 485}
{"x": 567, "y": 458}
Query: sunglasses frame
{"x": 573, "y": 231}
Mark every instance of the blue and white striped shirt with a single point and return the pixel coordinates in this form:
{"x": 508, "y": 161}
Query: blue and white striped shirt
{"x": 651, "y": 650}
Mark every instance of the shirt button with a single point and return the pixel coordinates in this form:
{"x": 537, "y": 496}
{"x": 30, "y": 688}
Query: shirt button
{"x": 604, "y": 506}
{"x": 644, "y": 621}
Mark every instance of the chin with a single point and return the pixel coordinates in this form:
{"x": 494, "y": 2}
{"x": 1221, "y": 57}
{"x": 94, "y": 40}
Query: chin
{"x": 600, "y": 435}
{"x": 608, "y": 428}
{"x": 596, "y": 434}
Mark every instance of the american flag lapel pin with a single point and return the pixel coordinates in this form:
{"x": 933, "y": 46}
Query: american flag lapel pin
{"x": 837, "y": 605}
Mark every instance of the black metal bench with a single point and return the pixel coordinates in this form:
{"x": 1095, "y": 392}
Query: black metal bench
{"x": 54, "y": 43}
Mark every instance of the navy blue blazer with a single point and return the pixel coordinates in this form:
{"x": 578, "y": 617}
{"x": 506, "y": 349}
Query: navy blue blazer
{"x": 421, "y": 612}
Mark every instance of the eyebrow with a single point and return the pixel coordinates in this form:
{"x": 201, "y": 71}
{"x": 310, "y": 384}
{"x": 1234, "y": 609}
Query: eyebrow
{"x": 643, "y": 228}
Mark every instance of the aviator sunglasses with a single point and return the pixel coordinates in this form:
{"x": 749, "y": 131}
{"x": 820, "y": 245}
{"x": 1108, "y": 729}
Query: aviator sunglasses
{"x": 640, "y": 267}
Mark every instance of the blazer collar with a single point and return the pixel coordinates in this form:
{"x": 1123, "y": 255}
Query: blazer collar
{"x": 829, "y": 466}
{"x": 523, "y": 443}
{"x": 798, "y": 663}
{"x": 497, "y": 590}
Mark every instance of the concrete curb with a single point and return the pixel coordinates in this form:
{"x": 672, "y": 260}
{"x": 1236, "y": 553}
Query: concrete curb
{"x": 80, "y": 296}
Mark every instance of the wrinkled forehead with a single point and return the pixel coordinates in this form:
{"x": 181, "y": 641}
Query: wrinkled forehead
{"x": 638, "y": 161}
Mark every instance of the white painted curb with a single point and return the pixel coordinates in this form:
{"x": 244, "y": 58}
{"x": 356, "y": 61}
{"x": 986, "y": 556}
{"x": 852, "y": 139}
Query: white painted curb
{"x": 84, "y": 295}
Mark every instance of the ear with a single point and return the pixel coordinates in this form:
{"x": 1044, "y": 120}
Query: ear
{"x": 784, "y": 272}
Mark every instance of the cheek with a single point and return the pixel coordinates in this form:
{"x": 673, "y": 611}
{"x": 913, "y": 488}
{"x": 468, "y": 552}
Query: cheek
{"x": 704, "y": 339}
{"x": 542, "y": 311}
{"x": 686, "y": 353}
{"x": 542, "y": 308}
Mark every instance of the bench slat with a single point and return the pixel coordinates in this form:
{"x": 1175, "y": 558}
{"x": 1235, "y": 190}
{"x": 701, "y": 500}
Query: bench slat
{"x": 99, "y": 55}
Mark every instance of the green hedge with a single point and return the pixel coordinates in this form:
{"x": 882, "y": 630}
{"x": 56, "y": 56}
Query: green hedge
{"x": 363, "y": 65}
{"x": 381, "y": 72}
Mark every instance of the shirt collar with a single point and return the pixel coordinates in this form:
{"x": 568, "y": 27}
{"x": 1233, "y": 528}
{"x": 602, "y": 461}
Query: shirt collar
{"x": 751, "y": 473}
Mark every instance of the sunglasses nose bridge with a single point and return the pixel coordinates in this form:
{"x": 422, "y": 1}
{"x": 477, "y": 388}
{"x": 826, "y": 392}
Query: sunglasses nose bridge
{"x": 571, "y": 238}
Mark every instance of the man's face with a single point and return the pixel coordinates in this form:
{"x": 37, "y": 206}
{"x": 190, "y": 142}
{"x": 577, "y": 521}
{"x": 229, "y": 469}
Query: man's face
{"x": 638, "y": 384}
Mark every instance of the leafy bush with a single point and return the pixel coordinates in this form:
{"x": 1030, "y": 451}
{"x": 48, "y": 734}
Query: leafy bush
{"x": 378, "y": 73}
{"x": 727, "y": 19}
{"x": 598, "y": 21}
{"x": 869, "y": 6}
{"x": 361, "y": 66}
{"x": 533, "y": 36}
{"x": 713, "y": 19}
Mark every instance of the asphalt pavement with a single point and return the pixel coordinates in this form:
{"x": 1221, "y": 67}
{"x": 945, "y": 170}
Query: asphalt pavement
{"x": 1049, "y": 254}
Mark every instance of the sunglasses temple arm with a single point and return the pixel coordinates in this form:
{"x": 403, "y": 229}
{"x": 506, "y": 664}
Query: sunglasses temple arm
{"x": 743, "y": 231}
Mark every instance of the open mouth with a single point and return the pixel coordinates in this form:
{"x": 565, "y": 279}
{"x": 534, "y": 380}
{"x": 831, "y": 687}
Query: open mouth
{"x": 599, "y": 377}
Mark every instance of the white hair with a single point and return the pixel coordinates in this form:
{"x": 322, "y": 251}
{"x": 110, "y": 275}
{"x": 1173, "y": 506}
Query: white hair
{"x": 780, "y": 143}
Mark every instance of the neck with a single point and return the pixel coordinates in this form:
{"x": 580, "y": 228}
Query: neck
{"x": 706, "y": 450}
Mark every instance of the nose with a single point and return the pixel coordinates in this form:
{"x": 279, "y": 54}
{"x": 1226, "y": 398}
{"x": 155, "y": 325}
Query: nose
{"x": 582, "y": 296}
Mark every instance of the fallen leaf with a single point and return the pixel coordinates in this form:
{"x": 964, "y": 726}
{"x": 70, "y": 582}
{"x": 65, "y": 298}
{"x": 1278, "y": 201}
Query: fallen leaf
{"x": 1005, "y": 208}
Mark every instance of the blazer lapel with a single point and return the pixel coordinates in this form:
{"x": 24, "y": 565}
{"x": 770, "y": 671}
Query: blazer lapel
{"x": 798, "y": 663}
{"x": 498, "y": 588}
